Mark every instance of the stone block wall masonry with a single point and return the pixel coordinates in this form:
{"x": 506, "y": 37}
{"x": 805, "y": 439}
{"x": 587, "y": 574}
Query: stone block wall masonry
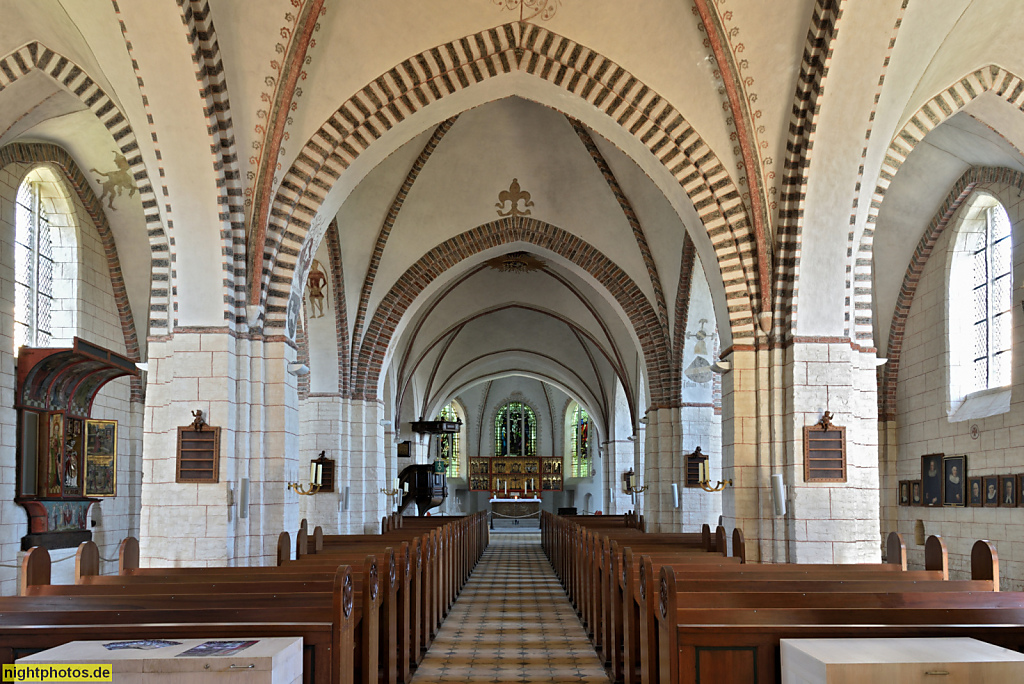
{"x": 922, "y": 426}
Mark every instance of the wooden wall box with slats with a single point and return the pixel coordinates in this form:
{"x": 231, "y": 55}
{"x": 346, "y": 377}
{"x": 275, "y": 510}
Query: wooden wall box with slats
{"x": 198, "y": 454}
{"x": 825, "y": 451}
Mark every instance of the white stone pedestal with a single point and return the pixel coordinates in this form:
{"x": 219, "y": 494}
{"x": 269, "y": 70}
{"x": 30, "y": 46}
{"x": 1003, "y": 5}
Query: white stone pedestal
{"x": 275, "y": 660}
{"x": 851, "y": 661}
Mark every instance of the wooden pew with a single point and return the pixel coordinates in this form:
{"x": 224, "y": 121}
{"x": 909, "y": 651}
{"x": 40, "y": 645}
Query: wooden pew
{"x": 395, "y": 653}
{"x": 237, "y": 580}
{"x": 325, "y": 620}
{"x": 740, "y": 643}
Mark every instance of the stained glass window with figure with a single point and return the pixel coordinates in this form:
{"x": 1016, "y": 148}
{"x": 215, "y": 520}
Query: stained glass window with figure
{"x": 579, "y": 442}
{"x": 515, "y": 430}
{"x": 448, "y": 444}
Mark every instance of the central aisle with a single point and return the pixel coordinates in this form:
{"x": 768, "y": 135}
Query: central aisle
{"x": 512, "y": 623}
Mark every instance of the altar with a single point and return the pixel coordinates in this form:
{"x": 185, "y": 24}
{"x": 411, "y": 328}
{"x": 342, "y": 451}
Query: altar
{"x": 514, "y": 512}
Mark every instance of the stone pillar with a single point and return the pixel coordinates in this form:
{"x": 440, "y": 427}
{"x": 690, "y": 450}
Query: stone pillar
{"x": 834, "y": 522}
{"x": 368, "y": 469}
{"x": 745, "y": 449}
{"x": 320, "y": 427}
{"x": 663, "y": 440}
{"x": 701, "y": 427}
{"x": 618, "y": 458}
{"x": 243, "y": 387}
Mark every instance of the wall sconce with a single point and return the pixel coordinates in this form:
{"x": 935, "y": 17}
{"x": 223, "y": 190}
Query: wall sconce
{"x": 384, "y": 422}
{"x": 631, "y": 488}
{"x": 316, "y": 472}
{"x": 143, "y": 366}
{"x": 398, "y": 489}
{"x": 298, "y": 368}
{"x": 705, "y": 484}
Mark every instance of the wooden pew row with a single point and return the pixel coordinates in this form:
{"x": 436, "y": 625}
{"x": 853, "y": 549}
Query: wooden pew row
{"x": 570, "y": 546}
{"x": 451, "y": 547}
{"x": 327, "y": 621}
{"x": 586, "y": 545}
{"x": 397, "y": 654}
{"x": 589, "y": 585}
{"x": 373, "y": 631}
{"x": 555, "y": 533}
{"x": 423, "y": 599}
{"x": 608, "y": 599}
{"x": 305, "y": 586}
{"x": 624, "y": 620}
{"x": 640, "y": 649}
{"x": 472, "y": 527}
{"x": 738, "y": 640}
{"x": 601, "y": 595}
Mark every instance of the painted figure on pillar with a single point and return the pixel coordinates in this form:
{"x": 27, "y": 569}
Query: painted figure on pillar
{"x": 699, "y": 370}
{"x": 316, "y": 286}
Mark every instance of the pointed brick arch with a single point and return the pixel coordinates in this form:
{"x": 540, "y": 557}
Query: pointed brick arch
{"x": 57, "y": 157}
{"x": 961, "y": 191}
{"x": 443, "y": 70}
{"x": 932, "y": 113}
{"x": 36, "y": 56}
{"x": 432, "y": 265}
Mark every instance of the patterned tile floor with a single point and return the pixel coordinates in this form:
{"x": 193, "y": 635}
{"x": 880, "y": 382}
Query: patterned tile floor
{"x": 512, "y": 623}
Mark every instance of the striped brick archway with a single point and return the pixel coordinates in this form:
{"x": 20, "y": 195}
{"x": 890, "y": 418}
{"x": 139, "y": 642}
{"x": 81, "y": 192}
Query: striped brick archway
{"x": 989, "y": 79}
{"x": 432, "y": 265}
{"x": 515, "y": 47}
{"x": 961, "y": 191}
{"x": 36, "y": 56}
{"x": 51, "y": 155}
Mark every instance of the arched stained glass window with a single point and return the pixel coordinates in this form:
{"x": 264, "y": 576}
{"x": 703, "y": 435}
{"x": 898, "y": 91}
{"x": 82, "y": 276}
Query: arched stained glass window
{"x": 448, "y": 444}
{"x": 33, "y": 269}
{"x": 579, "y": 442}
{"x": 515, "y": 430}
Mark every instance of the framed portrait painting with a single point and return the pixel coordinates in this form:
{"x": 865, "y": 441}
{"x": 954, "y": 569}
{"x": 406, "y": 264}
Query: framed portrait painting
{"x": 915, "y": 492}
{"x": 976, "y": 491}
{"x": 1008, "y": 491}
{"x": 101, "y": 458}
{"x": 991, "y": 489}
{"x": 1020, "y": 488}
{"x": 904, "y": 492}
{"x": 954, "y": 480}
{"x": 931, "y": 480}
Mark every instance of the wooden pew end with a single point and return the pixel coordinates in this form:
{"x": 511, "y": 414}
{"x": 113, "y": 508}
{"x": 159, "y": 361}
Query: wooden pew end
{"x": 985, "y": 562}
{"x": 128, "y": 556}
{"x": 35, "y": 569}
{"x": 87, "y": 561}
{"x": 284, "y": 548}
{"x": 721, "y": 543}
{"x": 739, "y": 545}
{"x": 936, "y": 556}
{"x": 896, "y": 550}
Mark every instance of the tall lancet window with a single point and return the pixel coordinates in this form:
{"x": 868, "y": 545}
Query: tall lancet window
{"x": 33, "y": 269}
{"x": 515, "y": 430}
{"x": 448, "y": 443}
{"x": 992, "y": 287}
{"x": 579, "y": 442}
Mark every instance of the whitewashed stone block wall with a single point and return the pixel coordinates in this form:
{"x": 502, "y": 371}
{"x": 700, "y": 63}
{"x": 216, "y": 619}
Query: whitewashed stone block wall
{"x": 922, "y": 426}
{"x": 92, "y": 315}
